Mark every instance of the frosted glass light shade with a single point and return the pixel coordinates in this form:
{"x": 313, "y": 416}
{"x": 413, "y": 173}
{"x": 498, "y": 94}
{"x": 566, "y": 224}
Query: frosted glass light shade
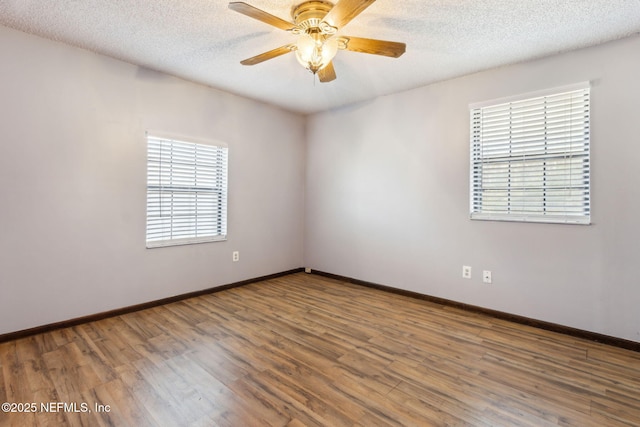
{"x": 314, "y": 53}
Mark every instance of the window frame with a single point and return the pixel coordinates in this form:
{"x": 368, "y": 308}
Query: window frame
{"x": 574, "y": 207}
{"x": 194, "y": 190}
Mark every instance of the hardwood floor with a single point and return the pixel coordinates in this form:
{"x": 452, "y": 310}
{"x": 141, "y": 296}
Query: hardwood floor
{"x": 305, "y": 350}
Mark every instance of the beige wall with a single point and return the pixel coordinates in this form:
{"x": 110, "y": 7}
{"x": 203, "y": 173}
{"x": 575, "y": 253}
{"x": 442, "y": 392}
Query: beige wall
{"x": 378, "y": 192}
{"x": 388, "y": 198}
{"x": 73, "y": 184}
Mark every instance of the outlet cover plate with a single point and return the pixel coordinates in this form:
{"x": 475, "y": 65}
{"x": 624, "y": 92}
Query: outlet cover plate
{"x": 486, "y": 276}
{"x": 466, "y": 272}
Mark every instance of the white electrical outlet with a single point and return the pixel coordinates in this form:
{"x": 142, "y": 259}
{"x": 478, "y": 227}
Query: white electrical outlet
{"x": 236, "y": 256}
{"x": 486, "y": 276}
{"x": 466, "y": 272}
{"x": 307, "y": 270}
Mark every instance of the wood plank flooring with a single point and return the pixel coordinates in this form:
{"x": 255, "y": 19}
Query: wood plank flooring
{"x": 304, "y": 350}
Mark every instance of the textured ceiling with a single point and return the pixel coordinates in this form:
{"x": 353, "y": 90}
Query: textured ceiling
{"x": 204, "y": 41}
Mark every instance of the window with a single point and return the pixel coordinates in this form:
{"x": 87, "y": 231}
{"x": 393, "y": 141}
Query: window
{"x": 186, "y": 192}
{"x": 530, "y": 158}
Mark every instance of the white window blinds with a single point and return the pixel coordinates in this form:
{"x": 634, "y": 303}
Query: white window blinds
{"x": 530, "y": 159}
{"x": 186, "y": 192}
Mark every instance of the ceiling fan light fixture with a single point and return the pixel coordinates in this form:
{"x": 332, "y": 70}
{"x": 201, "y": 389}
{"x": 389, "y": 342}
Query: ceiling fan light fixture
{"x": 316, "y": 24}
{"x": 314, "y": 51}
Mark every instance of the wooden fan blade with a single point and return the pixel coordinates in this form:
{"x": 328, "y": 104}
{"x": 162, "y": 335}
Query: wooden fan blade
{"x": 327, "y": 74}
{"x": 261, "y": 15}
{"x": 375, "y": 47}
{"x": 268, "y": 55}
{"x": 344, "y": 11}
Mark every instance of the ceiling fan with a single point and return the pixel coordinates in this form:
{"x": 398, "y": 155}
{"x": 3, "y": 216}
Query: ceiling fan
{"x": 316, "y": 23}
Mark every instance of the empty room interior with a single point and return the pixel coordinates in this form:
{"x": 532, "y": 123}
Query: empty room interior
{"x": 313, "y": 213}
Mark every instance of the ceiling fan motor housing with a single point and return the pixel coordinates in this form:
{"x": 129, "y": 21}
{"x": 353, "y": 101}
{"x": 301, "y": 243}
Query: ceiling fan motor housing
{"x": 309, "y": 14}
